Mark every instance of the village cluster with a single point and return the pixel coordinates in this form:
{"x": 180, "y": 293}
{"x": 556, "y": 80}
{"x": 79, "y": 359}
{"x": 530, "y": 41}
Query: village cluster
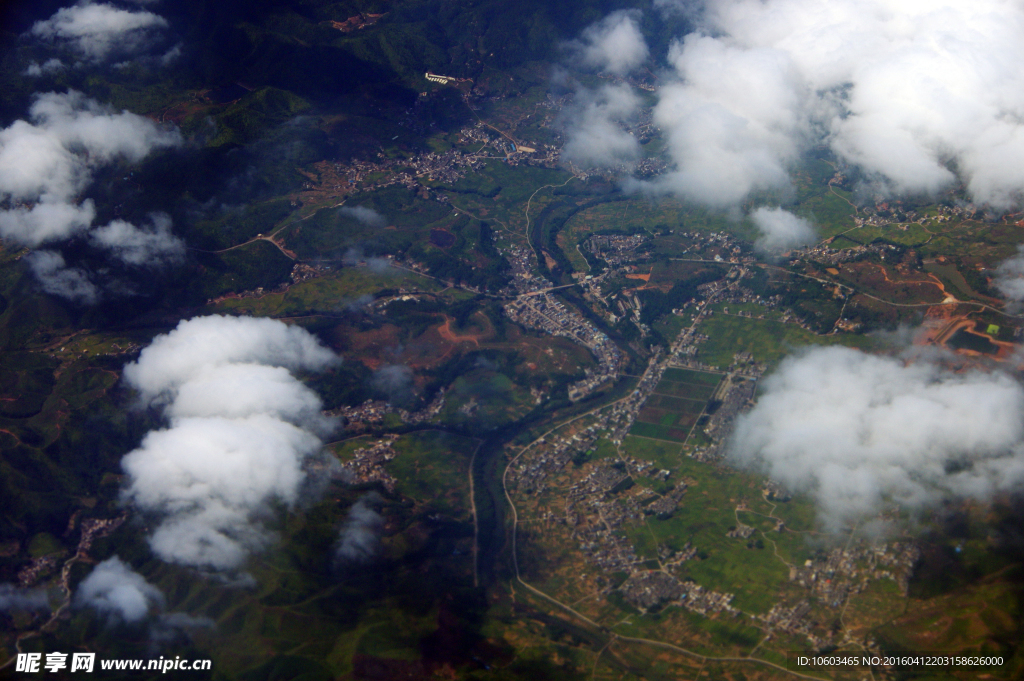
{"x": 602, "y": 501}
{"x": 543, "y": 311}
{"x": 599, "y": 498}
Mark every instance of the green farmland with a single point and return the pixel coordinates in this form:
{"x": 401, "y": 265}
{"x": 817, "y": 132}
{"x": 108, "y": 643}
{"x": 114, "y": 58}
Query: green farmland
{"x": 676, "y": 404}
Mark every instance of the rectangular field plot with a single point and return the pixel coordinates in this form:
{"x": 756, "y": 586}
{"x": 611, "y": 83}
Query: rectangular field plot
{"x": 690, "y": 376}
{"x": 675, "y": 405}
{"x": 659, "y": 432}
{"x": 670, "y": 419}
{"x": 692, "y": 391}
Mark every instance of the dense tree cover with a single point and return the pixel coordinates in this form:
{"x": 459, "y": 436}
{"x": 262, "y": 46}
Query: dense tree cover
{"x": 291, "y": 44}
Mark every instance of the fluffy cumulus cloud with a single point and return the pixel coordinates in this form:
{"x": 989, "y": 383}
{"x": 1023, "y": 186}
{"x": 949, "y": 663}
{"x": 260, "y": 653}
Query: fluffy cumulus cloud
{"x": 35, "y": 69}
{"x": 596, "y": 123}
{"x": 211, "y": 478}
{"x": 906, "y": 92}
{"x": 733, "y": 121}
{"x": 614, "y": 44}
{"x": 200, "y": 344}
{"x": 781, "y": 230}
{"x": 241, "y": 426}
{"x": 859, "y": 431}
{"x": 359, "y": 540}
{"x": 119, "y": 593}
{"x": 595, "y": 127}
{"x": 98, "y": 31}
{"x": 48, "y": 160}
{"x": 1009, "y": 277}
{"x": 149, "y": 245}
{"x": 56, "y": 278}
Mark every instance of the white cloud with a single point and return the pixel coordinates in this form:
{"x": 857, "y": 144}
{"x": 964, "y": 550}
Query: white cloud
{"x": 359, "y": 539}
{"x": 1009, "y": 276}
{"x": 98, "y": 31}
{"x": 58, "y": 279}
{"x": 395, "y": 380}
{"x": 367, "y": 216}
{"x": 34, "y": 69}
{"x": 38, "y": 165}
{"x": 119, "y": 593}
{"x": 13, "y": 598}
{"x": 685, "y": 7}
{"x": 201, "y": 344}
{"x": 211, "y": 479}
{"x": 46, "y": 163}
{"x": 903, "y": 91}
{"x": 45, "y": 222}
{"x": 595, "y": 124}
{"x": 613, "y": 44}
{"x": 171, "y": 55}
{"x": 355, "y": 256}
{"x": 781, "y": 230}
{"x": 82, "y": 123}
{"x": 151, "y": 245}
{"x": 238, "y": 390}
{"x": 241, "y": 428}
{"x": 595, "y": 127}
{"x": 857, "y": 431}
{"x": 733, "y": 121}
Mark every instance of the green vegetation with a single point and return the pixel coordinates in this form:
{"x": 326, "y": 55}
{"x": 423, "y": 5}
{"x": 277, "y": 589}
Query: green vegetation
{"x": 244, "y": 120}
{"x": 329, "y": 294}
{"x": 237, "y": 226}
{"x": 500, "y": 192}
{"x": 706, "y": 514}
{"x": 484, "y": 399}
{"x": 658, "y": 431}
{"x": 44, "y": 544}
{"x": 766, "y": 340}
{"x": 688, "y": 376}
{"x": 433, "y": 466}
{"x": 630, "y": 215}
{"x": 276, "y": 98}
{"x": 675, "y": 405}
{"x": 663, "y": 454}
{"x": 259, "y": 264}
